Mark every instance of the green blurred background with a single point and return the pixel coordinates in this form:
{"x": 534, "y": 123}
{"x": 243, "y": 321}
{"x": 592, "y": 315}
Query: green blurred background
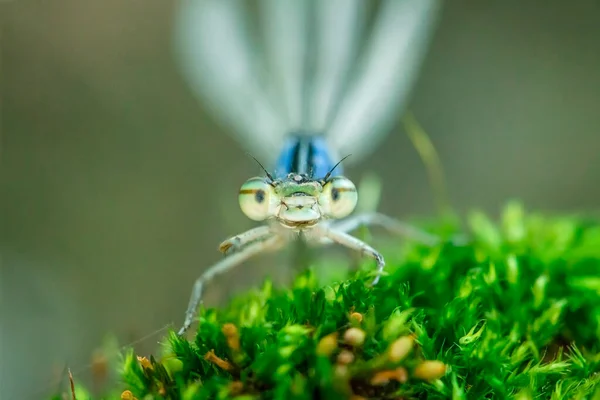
{"x": 117, "y": 186}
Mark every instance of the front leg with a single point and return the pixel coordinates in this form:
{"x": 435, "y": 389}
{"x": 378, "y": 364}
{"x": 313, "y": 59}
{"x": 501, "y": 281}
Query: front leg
{"x": 266, "y": 244}
{"x": 238, "y": 242}
{"x": 355, "y": 244}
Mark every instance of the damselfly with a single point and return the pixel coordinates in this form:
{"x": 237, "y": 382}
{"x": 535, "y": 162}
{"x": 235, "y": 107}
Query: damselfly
{"x": 311, "y": 81}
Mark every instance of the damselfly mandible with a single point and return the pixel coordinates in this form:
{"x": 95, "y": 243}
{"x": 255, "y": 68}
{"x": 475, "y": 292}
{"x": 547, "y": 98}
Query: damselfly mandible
{"x": 309, "y": 81}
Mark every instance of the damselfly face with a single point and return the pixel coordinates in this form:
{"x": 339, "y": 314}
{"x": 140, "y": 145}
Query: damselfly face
{"x": 297, "y": 201}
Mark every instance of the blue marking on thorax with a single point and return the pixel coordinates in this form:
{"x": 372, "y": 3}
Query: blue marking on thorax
{"x": 308, "y": 155}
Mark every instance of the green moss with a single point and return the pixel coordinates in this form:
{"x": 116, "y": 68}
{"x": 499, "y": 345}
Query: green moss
{"x": 515, "y": 313}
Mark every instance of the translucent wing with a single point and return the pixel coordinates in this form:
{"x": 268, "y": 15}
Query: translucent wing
{"x": 337, "y": 29}
{"x": 312, "y": 77}
{"x": 218, "y": 61}
{"x": 386, "y": 70}
{"x": 285, "y": 26}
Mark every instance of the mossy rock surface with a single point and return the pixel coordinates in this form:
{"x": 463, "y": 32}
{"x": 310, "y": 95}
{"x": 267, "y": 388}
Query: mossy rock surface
{"x": 512, "y": 313}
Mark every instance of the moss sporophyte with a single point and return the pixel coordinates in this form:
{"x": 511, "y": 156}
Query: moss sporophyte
{"x": 514, "y": 313}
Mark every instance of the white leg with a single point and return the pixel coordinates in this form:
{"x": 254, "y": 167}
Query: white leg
{"x": 237, "y": 242}
{"x": 231, "y": 261}
{"x": 356, "y": 244}
{"x": 390, "y": 224}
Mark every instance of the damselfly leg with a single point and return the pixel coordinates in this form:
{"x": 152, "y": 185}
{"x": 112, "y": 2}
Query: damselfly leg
{"x": 390, "y": 224}
{"x": 354, "y": 243}
{"x": 236, "y": 243}
{"x": 264, "y": 244}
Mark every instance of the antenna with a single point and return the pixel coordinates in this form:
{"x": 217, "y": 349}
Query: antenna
{"x": 263, "y": 168}
{"x": 331, "y": 170}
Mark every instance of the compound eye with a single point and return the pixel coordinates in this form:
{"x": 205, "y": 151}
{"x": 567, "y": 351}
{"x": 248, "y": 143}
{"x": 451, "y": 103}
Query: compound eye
{"x": 255, "y": 199}
{"x": 339, "y": 197}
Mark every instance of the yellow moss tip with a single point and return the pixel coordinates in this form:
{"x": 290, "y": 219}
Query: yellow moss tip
{"x": 430, "y": 370}
{"x": 400, "y": 348}
{"x": 236, "y": 387}
{"x": 354, "y": 337}
{"x": 383, "y": 377}
{"x": 213, "y": 358}
{"x": 233, "y": 338}
{"x": 345, "y": 357}
{"x": 144, "y": 362}
{"x": 356, "y": 317}
{"x": 127, "y": 395}
{"x": 229, "y": 330}
{"x": 327, "y": 344}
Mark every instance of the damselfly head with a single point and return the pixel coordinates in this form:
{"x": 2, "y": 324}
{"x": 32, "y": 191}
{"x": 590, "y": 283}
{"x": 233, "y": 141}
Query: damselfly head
{"x": 297, "y": 201}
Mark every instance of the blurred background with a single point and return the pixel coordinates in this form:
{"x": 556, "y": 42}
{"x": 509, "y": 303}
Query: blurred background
{"x": 117, "y": 186}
